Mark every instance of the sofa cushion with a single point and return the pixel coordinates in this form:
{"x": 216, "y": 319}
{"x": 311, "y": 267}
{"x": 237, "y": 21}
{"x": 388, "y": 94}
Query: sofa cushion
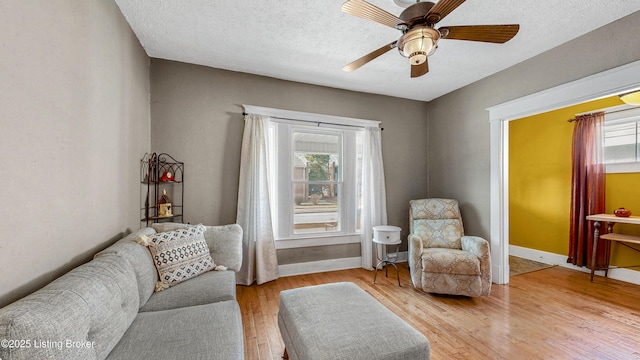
{"x": 139, "y": 258}
{"x": 207, "y": 288}
{"x": 178, "y": 255}
{"x": 91, "y": 306}
{"x": 211, "y": 331}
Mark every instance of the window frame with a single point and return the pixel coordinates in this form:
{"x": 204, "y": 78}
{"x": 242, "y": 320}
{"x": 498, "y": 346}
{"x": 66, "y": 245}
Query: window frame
{"x": 622, "y": 115}
{"x": 298, "y": 129}
{"x": 282, "y": 189}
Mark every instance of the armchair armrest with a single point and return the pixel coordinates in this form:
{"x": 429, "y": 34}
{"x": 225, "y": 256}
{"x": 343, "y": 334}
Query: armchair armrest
{"x": 480, "y": 248}
{"x": 225, "y": 245}
{"x": 415, "y": 259}
{"x": 475, "y": 245}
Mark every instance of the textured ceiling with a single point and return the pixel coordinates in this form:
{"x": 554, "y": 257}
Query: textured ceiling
{"x": 310, "y": 41}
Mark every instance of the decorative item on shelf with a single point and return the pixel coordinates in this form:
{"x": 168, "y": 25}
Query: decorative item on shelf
{"x": 622, "y": 212}
{"x": 166, "y": 176}
{"x": 164, "y": 205}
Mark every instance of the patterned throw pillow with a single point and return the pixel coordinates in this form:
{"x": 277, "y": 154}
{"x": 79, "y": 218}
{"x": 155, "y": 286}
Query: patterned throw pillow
{"x": 178, "y": 255}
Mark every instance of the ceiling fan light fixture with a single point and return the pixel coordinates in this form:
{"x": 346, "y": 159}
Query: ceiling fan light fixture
{"x": 418, "y": 43}
{"x": 632, "y": 98}
{"x": 417, "y": 58}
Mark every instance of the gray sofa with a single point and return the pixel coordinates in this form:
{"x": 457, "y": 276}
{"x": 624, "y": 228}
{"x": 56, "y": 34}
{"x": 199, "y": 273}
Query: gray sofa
{"x": 107, "y": 308}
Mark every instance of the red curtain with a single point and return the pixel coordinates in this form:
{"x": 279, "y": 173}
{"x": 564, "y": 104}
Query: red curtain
{"x": 587, "y": 191}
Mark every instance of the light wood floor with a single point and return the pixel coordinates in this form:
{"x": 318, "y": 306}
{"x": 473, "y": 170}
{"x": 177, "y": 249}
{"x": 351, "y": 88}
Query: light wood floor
{"x": 554, "y": 313}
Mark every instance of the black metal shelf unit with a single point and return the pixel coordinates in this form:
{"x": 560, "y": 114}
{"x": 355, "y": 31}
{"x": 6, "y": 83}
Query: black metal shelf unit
{"x": 160, "y": 173}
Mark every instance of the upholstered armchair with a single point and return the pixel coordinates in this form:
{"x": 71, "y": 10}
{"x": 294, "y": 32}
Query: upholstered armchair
{"x": 441, "y": 258}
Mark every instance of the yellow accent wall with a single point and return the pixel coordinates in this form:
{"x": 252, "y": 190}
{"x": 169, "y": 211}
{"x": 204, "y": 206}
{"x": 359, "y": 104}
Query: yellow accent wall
{"x": 623, "y": 190}
{"x": 540, "y": 183}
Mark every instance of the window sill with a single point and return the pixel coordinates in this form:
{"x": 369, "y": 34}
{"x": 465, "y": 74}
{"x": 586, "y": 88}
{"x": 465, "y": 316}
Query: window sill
{"x": 321, "y": 240}
{"x": 623, "y": 168}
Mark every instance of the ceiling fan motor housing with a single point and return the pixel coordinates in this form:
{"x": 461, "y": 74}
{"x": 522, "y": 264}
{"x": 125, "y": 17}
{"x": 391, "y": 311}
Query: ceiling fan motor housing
{"x": 415, "y": 13}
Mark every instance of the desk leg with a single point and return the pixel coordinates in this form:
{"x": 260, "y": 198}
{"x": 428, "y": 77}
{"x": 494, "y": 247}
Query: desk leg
{"x": 607, "y": 249}
{"x": 596, "y": 237}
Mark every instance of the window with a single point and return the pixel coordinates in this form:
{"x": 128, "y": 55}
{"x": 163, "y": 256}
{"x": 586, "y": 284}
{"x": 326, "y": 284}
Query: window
{"x": 316, "y": 188}
{"x": 621, "y": 141}
{"x": 315, "y": 165}
{"x": 316, "y": 181}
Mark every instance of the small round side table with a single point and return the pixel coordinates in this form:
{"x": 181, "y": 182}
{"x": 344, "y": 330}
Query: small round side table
{"x": 385, "y": 235}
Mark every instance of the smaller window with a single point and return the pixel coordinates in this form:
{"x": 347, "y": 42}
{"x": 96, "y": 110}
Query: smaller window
{"x": 622, "y": 141}
{"x": 316, "y": 182}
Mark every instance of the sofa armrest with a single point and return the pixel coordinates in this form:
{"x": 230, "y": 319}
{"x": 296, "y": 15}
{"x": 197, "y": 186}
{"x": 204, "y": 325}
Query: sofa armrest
{"x": 480, "y": 248}
{"x": 225, "y": 244}
{"x": 415, "y": 260}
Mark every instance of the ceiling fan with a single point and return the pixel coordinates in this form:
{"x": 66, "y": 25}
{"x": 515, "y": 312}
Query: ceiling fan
{"x": 419, "y": 37}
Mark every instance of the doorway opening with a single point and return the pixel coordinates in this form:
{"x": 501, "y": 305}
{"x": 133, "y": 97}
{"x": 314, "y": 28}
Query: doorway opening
{"x": 619, "y": 80}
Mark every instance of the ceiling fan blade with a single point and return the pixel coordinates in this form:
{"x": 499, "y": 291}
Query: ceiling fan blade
{"x": 372, "y": 55}
{"x": 419, "y": 70}
{"x": 368, "y": 11}
{"x": 442, "y": 9}
{"x": 498, "y": 34}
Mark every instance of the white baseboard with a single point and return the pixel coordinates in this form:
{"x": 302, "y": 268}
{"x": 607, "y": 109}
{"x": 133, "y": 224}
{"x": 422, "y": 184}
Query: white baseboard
{"x": 311, "y": 267}
{"x": 626, "y": 275}
{"x": 327, "y": 265}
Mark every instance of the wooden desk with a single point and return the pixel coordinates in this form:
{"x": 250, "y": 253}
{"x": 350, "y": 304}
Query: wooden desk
{"x": 610, "y": 235}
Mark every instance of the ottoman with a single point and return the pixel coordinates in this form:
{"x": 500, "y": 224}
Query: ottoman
{"x": 341, "y": 321}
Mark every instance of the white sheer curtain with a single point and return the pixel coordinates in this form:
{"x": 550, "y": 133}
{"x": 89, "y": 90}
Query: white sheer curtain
{"x": 374, "y": 203}
{"x": 259, "y": 261}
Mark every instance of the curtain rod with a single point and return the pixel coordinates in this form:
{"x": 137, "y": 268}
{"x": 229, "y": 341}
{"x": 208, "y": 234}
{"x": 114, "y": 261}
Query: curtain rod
{"x": 606, "y": 112}
{"x": 313, "y": 122}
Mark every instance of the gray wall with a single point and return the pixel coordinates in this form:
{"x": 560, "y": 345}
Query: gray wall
{"x": 459, "y": 123}
{"x": 74, "y": 122}
{"x": 197, "y": 117}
